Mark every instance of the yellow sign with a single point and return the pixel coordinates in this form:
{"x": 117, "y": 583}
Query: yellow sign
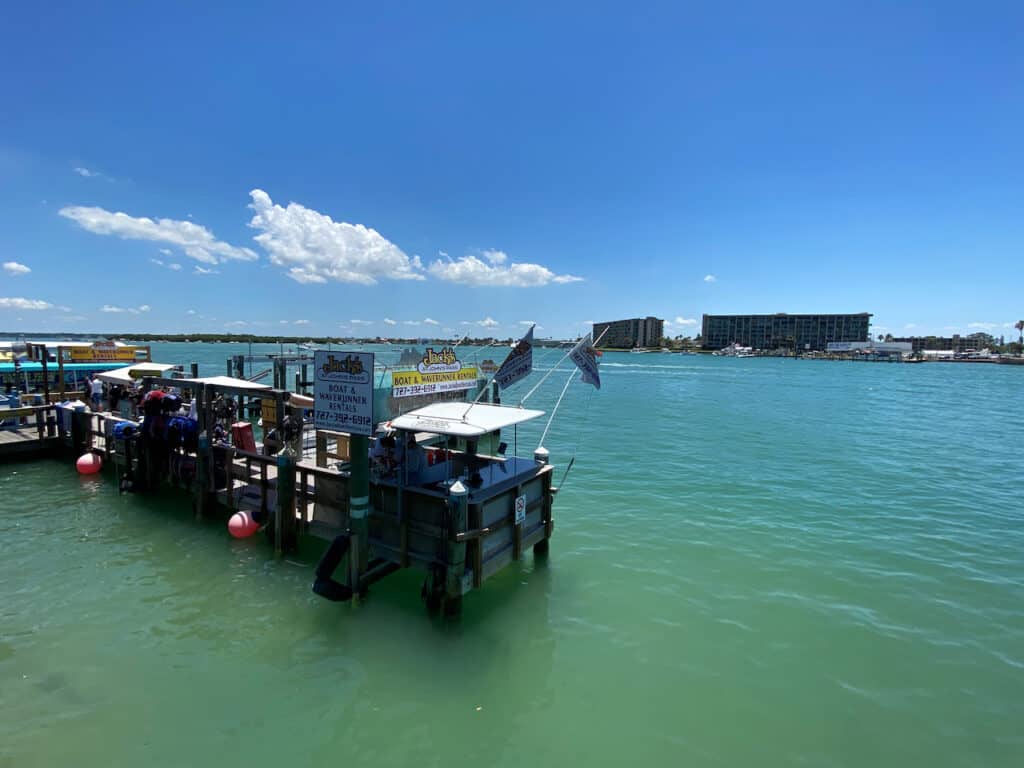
{"x": 408, "y": 383}
{"x": 102, "y": 354}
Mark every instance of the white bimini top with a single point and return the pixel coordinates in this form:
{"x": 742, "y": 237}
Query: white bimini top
{"x": 462, "y": 419}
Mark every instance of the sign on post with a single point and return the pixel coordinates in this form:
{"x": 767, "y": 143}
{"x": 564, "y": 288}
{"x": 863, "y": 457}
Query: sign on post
{"x": 520, "y": 509}
{"x": 436, "y": 372}
{"x": 102, "y": 352}
{"x": 343, "y": 391}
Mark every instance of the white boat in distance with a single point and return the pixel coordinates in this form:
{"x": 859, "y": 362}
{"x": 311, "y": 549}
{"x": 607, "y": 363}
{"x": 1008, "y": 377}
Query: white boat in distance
{"x": 735, "y": 350}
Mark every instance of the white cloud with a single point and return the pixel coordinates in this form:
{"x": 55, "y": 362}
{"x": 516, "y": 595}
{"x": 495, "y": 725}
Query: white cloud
{"x": 389, "y": 321}
{"x": 682, "y": 321}
{"x": 190, "y": 312}
{"x": 173, "y": 266}
{"x": 710, "y": 279}
{"x": 166, "y": 251}
{"x": 362, "y": 322}
{"x": 910, "y": 326}
{"x": 315, "y": 248}
{"x": 236, "y": 324}
{"x": 15, "y": 268}
{"x": 204, "y": 271}
{"x": 196, "y": 241}
{"x": 527, "y": 322}
{"x": 983, "y": 326}
{"x": 87, "y": 173}
{"x": 110, "y": 308}
{"x": 410, "y": 322}
{"x": 430, "y": 321}
{"x": 301, "y": 322}
{"x": 20, "y": 303}
{"x": 471, "y": 270}
{"x": 487, "y": 322}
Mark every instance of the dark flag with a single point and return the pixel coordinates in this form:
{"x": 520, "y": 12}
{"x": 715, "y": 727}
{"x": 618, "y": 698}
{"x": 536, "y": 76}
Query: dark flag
{"x": 519, "y": 362}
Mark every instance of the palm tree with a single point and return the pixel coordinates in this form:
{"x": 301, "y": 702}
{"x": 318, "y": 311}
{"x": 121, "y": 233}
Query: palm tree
{"x": 1019, "y": 325}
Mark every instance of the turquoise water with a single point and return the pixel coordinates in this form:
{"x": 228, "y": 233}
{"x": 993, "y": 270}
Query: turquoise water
{"x": 755, "y": 562}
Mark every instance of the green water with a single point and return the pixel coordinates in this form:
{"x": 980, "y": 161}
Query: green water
{"x": 755, "y": 562}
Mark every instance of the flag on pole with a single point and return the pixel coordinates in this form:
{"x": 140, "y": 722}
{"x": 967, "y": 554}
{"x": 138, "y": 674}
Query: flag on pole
{"x": 519, "y": 362}
{"x": 585, "y": 357}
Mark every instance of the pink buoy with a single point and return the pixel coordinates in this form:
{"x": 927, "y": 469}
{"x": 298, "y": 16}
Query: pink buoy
{"x": 241, "y": 525}
{"x": 89, "y": 464}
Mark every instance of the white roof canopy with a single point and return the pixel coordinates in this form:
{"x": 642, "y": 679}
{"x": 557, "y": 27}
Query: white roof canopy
{"x": 124, "y": 375}
{"x": 462, "y": 419}
{"x": 226, "y": 381}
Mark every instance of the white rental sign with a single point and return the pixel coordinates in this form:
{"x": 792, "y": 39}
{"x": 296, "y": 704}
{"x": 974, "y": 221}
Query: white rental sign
{"x": 520, "y": 509}
{"x": 343, "y": 391}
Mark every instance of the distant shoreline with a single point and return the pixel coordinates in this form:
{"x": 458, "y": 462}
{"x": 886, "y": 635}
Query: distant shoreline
{"x": 249, "y": 338}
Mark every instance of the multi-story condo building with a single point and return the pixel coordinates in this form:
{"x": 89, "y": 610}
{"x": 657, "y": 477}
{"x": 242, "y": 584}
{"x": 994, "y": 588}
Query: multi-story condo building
{"x": 781, "y": 330}
{"x": 626, "y": 334}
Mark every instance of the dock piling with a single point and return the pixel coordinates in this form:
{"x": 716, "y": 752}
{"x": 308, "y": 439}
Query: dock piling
{"x": 456, "y": 570}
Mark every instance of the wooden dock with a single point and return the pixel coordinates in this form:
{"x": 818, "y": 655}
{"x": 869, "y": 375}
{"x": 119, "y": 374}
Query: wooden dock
{"x": 28, "y": 431}
{"x": 468, "y": 516}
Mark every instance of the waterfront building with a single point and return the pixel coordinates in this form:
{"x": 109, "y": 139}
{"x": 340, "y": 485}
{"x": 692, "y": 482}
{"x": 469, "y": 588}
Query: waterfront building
{"x": 626, "y": 334}
{"x": 955, "y": 344}
{"x": 783, "y": 331}
{"x": 869, "y": 347}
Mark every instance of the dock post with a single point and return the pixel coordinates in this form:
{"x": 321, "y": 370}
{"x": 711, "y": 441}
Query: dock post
{"x": 80, "y": 438}
{"x": 202, "y": 474}
{"x": 46, "y": 376}
{"x": 194, "y": 369}
{"x": 359, "y": 508}
{"x": 60, "y": 372}
{"x": 459, "y": 501}
{"x": 284, "y": 509}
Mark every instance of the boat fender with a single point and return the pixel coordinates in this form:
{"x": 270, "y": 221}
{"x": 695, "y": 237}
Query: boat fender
{"x": 324, "y": 585}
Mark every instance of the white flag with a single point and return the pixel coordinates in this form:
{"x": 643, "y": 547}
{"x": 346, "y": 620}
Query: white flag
{"x": 519, "y": 362}
{"x": 586, "y": 360}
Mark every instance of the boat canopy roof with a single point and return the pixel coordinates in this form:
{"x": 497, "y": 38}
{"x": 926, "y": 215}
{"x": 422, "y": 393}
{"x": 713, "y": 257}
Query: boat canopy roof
{"x": 124, "y": 375}
{"x": 226, "y": 381}
{"x": 462, "y": 419}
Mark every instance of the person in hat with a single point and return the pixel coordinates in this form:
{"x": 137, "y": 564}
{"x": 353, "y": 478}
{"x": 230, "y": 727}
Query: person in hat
{"x": 382, "y": 454}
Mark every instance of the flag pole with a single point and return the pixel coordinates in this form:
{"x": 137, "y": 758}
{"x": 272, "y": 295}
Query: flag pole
{"x": 493, "y": 375}
{"x": 554, "y": 410}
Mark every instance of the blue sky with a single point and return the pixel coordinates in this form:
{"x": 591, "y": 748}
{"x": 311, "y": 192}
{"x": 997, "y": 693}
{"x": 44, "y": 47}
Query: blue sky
{"x": 436, "y": 169}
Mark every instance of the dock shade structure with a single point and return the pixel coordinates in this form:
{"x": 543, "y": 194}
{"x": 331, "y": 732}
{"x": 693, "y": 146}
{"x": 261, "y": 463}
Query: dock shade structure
{"x": 463, "y": 419}
{"x": 131, "y": 374}
{"x": 227, "y": 382}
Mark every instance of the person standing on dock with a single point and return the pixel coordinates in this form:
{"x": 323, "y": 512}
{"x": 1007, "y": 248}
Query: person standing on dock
{"x": 96, "y": 388}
